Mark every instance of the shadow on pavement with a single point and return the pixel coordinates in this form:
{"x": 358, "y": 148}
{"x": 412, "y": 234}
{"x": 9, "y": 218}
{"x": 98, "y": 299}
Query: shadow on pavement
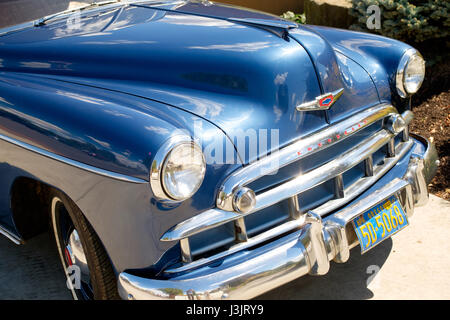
{"x": 343, "y": 281}
{"x": 32, "y": 271}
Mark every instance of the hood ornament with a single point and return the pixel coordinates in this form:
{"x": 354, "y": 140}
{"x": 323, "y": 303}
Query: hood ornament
{"x": 323, "y": 102}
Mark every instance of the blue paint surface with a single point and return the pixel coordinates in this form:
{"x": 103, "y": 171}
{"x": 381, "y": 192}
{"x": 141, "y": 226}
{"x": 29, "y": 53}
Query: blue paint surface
{"x": 110, "y": 91}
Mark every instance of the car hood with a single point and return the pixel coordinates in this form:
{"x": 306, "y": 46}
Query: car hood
{"x": 235, "y": 68}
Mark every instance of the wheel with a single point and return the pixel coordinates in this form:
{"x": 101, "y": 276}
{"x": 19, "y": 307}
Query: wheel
{"x": 89, "y": 272}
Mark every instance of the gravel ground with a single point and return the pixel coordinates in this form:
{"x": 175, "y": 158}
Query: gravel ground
{"x": 432, "y": 120}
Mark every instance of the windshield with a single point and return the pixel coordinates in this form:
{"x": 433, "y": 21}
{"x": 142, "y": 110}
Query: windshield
{"x": 43, "y": 20}
{"x": 21, "y": 11}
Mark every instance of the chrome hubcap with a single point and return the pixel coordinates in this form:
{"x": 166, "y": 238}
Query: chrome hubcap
{"x": 75, "y": 256}
{"x": 71, "y": 252}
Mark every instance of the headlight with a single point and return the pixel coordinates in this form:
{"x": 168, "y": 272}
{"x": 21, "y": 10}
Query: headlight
{"x": 410, "y": 73}
{"x": 183, "y": 171}
{"x": 178, "y": 170}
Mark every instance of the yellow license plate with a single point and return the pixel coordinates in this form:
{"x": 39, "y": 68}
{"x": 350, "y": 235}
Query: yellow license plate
{"x": 380, "y": 223}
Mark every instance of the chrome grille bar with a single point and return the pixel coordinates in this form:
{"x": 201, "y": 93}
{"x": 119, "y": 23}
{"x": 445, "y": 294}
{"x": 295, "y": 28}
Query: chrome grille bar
{"x": 240, "y": 230}
{"x": 405, "y": 134}
{"x": 368, "y": 166}
{"x": 186, "y": 255}
{"x": 390, "y": 149}
{"x": 339, "y": 187}
{"x": 294, "y": 208}
{"x": 407, "y": 116}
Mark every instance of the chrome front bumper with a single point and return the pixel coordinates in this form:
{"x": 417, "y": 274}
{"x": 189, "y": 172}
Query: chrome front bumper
{"x": 308, "y": 250}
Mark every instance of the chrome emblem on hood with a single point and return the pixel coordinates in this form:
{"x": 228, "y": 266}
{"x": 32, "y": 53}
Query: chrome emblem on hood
{"x": 323, "y": 102}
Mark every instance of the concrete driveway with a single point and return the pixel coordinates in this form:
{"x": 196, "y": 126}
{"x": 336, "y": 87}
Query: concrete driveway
{"x": 414, "y": 264}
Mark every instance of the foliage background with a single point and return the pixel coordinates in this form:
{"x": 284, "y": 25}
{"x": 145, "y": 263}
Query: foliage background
{"x": 412, "y": 21}
{"x": 296, "y": 17}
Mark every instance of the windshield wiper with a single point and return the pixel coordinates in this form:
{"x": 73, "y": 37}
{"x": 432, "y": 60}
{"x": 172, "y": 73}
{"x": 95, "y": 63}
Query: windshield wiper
{"x": 42, "y": 21}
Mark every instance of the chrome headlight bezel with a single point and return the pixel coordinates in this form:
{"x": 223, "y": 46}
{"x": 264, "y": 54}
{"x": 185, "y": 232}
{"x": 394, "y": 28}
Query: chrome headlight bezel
{"x": 158, "y": 164}
{"x": 401, "y": 71}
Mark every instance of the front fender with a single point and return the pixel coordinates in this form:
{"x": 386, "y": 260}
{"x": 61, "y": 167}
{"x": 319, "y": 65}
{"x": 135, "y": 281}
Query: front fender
{"x": 78, "y": 139}
{"x": 378, "y": 55}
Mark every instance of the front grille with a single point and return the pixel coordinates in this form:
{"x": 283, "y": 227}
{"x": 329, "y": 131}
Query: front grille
{"x": 314, "y": 160}
{"x": 308, "y": 182}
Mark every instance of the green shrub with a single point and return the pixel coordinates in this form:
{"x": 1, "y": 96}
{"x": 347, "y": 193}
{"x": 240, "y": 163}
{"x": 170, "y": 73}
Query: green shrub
{"x": 296, "y": 17}
{"x": 412, "y": 21}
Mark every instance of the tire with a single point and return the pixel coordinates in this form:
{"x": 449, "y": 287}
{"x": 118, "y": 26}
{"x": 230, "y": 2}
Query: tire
{"x": 66, "y": 218}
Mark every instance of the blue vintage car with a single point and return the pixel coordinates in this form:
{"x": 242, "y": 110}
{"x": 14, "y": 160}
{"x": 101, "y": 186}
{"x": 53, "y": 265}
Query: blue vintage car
{"x": 193, "y": 150}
